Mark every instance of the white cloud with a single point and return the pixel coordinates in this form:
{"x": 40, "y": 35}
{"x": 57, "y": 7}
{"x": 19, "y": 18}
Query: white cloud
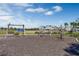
{"x": 5, "y": 15}
{"x": 23, "y": 4}
{"x": 45, "y": 11}
{"x": 5, "y": 7}
{"x": 38, "y": 10}
{"x": 5, "y": 18}
{"x": 49, "y": 13}
{"x": 57, "y": 8}
{"x": 30, "y": 10}
{"x": 3, "y": 12}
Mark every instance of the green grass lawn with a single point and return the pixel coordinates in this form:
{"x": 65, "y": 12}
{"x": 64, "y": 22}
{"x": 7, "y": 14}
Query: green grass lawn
{"x": 30, "y": 32}
{"x": 73, "y": 34}
{"x": 27, "y": 32}
{"x": 2, "y": 32}
{"x": 33, "y": 32}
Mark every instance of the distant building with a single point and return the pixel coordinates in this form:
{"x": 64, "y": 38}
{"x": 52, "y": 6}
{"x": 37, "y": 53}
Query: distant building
{"x": 68, "y": 28}
{"x": 76, "y": 29}
{"x": 49, "y": 28}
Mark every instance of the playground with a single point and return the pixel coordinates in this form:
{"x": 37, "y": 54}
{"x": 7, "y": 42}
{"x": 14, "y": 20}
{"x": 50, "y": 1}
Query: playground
{"x": 21, "y": 42}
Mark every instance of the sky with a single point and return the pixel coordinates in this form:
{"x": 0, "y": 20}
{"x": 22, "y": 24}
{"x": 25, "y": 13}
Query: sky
{"x": 38, "y": 14}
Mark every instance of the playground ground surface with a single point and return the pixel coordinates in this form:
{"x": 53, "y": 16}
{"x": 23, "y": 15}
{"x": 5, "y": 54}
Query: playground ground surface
{"x": 35, "y": 45}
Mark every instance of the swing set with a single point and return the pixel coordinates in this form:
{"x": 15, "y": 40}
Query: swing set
{"x": 11, "y": 30}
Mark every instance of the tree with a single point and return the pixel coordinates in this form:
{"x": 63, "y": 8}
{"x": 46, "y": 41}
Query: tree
{"x": 78, "y": 23}
{"x": 73, "y": 25}
{"x": 66, "y": 25}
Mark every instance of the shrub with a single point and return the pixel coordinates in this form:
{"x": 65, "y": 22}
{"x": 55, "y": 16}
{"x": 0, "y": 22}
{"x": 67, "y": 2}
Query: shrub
{"x": 55, "y": 33}
{"x": 37, "y": 32}
{"x": 75, "y": 34}
{"x": 11, "y": 32}
{"x": 72, "y": 34}
{"x": 16, "y": 33}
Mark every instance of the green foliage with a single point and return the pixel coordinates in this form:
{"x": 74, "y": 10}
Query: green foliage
{"x": 2, "y": 32}
{"x": 42, "y": 32}
{"x": 75, "y": 34}
{"x": 36, "y": 32}
{"x": 55, "y": 32}
{"x": 72, "y": 34}
{"x": 10, "y": 32}
{"x": 16, "y": 33}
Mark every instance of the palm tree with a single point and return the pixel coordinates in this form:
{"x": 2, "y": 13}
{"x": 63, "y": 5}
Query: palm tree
{"x": 78, "y": 23}
{"x": 73, "y": 25}
{"x": 66, "y": 25}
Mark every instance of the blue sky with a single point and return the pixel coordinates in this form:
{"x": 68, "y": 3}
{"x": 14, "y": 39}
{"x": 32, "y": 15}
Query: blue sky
{"x": 37, "y": 14}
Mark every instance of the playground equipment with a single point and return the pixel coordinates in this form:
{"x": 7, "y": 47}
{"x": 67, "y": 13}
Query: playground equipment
{"x": 51, "y": 31}
{"x": 61, "y": 34}
{"x": 18, "y": 30}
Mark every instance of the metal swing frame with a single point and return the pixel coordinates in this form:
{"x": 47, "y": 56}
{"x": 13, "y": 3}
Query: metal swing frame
{"x": 15, "y": 25}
